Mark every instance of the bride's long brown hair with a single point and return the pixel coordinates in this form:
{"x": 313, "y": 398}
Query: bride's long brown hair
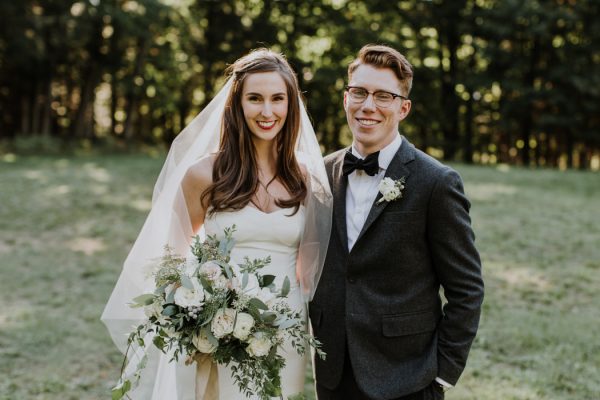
{"x": 235, "y": 172}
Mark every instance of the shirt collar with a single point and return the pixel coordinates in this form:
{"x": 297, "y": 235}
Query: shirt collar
{"x": 386, "y": 154}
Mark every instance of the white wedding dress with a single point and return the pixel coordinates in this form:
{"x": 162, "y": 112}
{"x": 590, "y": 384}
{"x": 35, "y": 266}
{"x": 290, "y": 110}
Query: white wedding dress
{"x": 258, "y": 235}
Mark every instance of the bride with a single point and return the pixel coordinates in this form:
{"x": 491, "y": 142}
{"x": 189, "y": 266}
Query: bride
{"x": 250, "y": 159}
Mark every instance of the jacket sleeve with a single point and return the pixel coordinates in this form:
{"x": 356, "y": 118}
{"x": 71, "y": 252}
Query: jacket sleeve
{"x": 458, "y": 268}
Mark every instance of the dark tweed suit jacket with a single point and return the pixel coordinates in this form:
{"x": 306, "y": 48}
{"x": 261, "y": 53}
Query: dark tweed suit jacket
{"x": 382, "y": 298}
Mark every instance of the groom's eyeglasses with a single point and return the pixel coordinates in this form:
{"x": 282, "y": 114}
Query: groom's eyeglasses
{"x": 380, "y": 97}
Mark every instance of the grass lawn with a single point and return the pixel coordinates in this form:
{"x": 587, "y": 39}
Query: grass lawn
{"x": 66, "y": 225}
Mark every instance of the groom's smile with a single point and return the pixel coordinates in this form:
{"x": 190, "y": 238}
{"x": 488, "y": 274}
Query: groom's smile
{"x": 367, "y": 122}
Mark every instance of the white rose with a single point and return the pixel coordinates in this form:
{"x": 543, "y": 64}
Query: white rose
{"x": 259, "y": 345}
{"x": 386, "y": 185}
{"x": 391, "y": 194}
{"x": 223, "y": 322}
{"x": 265, "y": 295}
{"x": 221, "y": 282}
{"x": 185, "y": 297}
{"x": 200, "y": 340}
{"x": 211, "y": 270}
{"x": 243, "y": 326}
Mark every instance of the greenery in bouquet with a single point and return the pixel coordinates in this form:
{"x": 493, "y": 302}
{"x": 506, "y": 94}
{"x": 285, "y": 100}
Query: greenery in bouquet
{"x": 203, "y": 304}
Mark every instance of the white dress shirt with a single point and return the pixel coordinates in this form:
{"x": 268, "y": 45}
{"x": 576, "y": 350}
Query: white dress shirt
{"x": 362, "y": 190}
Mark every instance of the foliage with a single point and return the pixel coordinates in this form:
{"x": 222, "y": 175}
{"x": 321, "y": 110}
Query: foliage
{"x": 495, "y": 81}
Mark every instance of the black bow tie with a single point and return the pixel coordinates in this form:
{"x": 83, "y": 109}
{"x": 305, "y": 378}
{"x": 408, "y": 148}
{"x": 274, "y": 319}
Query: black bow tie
{"x": 370, "y": 164}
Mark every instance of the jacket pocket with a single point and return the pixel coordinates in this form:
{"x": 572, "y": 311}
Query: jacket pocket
{"x": 408, "y": 324}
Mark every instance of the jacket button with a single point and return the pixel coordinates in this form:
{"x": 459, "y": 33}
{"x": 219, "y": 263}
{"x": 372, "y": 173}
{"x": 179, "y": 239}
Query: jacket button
{"x": 351, "y": 280}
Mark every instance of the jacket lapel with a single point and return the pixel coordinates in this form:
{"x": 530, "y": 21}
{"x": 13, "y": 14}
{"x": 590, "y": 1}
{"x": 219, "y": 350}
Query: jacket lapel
{"x": 396, "y": 170}
{"x": 340, "y": 183}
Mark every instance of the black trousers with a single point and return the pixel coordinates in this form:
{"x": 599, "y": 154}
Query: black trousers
{"x": 348, "y": 388}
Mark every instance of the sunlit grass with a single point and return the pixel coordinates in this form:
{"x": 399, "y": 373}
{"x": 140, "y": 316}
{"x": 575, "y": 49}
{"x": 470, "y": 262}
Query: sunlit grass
{"x": 539, "y": 236}
{"x": 66, "y": 226}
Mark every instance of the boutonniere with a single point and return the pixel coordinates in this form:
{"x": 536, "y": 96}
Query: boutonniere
{"x": 390, "y": 189}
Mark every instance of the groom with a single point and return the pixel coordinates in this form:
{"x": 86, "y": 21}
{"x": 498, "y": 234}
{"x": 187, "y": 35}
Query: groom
{"x": 377, "y": 309}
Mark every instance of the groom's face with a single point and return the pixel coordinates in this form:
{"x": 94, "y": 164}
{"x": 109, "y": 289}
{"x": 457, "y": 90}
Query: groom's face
{"x": 373, "y": 126}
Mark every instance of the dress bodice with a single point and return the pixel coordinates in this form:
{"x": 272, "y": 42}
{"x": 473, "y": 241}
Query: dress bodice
{"x": 258, "y": 234}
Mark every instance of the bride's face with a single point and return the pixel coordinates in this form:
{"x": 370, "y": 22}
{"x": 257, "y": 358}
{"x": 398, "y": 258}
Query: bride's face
{"x": 265, "y": 104}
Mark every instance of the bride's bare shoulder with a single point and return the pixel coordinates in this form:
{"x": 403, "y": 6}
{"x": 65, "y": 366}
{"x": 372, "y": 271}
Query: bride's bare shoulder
{"x": 199, "y": 174}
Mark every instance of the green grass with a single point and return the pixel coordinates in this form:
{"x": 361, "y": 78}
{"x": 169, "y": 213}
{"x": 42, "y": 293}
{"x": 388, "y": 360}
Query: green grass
{"x": 66, "y": 225}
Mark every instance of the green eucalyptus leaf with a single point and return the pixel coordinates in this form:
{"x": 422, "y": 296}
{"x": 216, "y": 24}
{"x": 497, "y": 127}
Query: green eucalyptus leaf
{"x": 143, "y": 300}
{"x": 267, "y": 280}
{"x": 171, "y": 297}
{"x": 228, "y": 271}
{"x": 268, "y": 317}
{"x": 258, "y": 304}
{"x": 170, "y": 310}
{"x": 226, "y": 245}
{"x": 252, "y": 310}
{"x": 285, "y": 288}
{"x": 186, "y": 282}
{"x": 161, "y": 289}
{"x": 206, "y": 285}
{"x": 159, "y": 342}
{"x": 117, "y": 393}
{"x": 211, "y": 338}
{"x": 287, "y": 323}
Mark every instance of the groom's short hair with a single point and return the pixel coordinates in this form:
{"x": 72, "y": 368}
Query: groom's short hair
{"x": 380, "y": 56}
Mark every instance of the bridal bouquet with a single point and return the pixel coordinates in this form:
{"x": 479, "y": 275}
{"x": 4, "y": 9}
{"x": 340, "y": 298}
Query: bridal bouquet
{"x": 205, "y": 305}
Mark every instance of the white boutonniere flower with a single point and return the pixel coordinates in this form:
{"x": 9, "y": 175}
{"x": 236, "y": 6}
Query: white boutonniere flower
{"x": 390, "y": 189}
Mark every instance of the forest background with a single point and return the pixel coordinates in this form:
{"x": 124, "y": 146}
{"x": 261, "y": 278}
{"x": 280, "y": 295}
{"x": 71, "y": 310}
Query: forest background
{"x": 510, "y": 81}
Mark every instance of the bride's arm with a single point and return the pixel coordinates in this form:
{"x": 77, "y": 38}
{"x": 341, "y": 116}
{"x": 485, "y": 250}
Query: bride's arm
{"x": 197, "y": 179}
{"x": 306, "y": 180}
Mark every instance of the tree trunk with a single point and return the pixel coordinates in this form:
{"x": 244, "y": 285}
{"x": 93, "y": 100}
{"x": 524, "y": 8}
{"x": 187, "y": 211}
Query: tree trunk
{"x": 25, "y": 114}
{"x": 570, "y": 147}
{"x": 83, "y": 126}
{"x": 584, "y": 160}
{"x": 132, "y": 98}
{"x": 468, "y": 143}
{"x": 449, "y": 100}
{"x": 113, "y": 106}
{"x": 47, "y": 108}
{"x": 527, "y": 119}
{"x": 35, "y": 112}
